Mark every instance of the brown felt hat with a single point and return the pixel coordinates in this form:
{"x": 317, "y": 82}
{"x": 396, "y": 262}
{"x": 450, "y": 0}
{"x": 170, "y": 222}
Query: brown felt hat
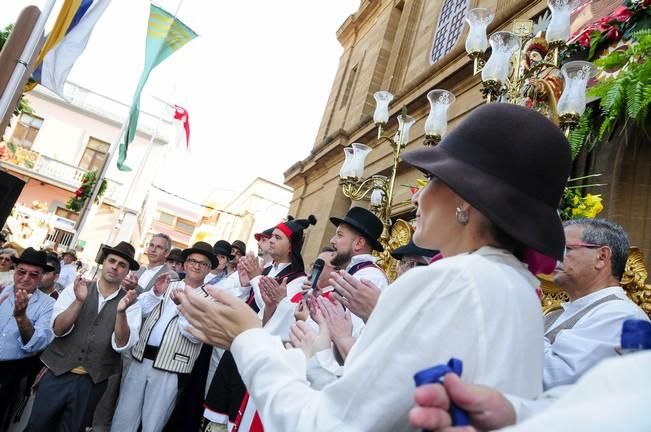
{"x": 123, "y": 250}
{"x": 511, "y": 164}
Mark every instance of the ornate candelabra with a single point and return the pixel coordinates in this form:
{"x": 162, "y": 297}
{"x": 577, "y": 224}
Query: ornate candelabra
{"x": 379, "y": 188}
{"x": 523, "y": 67}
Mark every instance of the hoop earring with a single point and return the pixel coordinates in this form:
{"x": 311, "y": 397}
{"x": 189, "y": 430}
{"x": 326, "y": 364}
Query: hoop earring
{"x": 462, "y": 216}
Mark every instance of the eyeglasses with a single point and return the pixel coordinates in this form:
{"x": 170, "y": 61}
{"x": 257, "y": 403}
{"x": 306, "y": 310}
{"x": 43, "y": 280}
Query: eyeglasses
{"x": 570, "y": 246}
{"x": 202, "y": 264}
{"x": 32, "y": 275}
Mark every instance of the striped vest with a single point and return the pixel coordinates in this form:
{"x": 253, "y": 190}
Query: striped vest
{"x": 176, "y": 353}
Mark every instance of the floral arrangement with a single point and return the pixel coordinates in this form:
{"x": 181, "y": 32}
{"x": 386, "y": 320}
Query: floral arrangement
{"x": 620, "y": 45}
{"x": 85, "y": 191}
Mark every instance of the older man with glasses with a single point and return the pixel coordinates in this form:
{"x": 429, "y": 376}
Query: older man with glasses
{"x": 587, "y": 329}
{"x": 25, "y": 314}
{"x": 165, "y": 350}
{"x": 7, "y": 266}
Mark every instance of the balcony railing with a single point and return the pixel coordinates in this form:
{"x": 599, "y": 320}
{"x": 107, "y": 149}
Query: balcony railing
{"x": 50, "y": 169}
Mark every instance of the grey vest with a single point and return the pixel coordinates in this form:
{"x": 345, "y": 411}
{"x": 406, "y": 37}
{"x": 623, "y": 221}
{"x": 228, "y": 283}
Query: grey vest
{"x": 176, "y": 353}
{"x": 89, "y": 342}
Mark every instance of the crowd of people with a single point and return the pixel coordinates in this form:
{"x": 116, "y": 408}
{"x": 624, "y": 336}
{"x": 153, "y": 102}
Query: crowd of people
{"x": 218, "y": 338}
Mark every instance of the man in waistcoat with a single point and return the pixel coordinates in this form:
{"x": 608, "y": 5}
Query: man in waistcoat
{"x": 587, "y": 329}
{"x": 165, "y": 350}
{"x": 93, "y": 322}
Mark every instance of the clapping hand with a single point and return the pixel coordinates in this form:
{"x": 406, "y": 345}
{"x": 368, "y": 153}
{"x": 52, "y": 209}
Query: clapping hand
{"x": 129, "y": 298}
{"x": 161, "y": 284}
{"x": 310, "y": 342}
{"x": 245, "y": 280}
{"x": 358, "y": 296}
{"x": 275, "y": 292}
{"x": 81, "y": 289}
{"x": 21, "y": 300}
{"x": 130, "y": 282}
{"x": 302, "y": 312}
{"x": 337, "y": 319}
{"x": 251, "y": 265}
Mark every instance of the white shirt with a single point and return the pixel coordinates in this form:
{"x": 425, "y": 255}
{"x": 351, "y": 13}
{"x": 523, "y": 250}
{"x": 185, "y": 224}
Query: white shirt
{"x": 67, "y": 275}
{"x": 592, "y": 339}
{"x": 146, "y": 276}
{"x": 613, "y": 396}
{"x": 67, "y": 297}
{"x": 370, "y": 273}
{"x": 481, "y": 308}
{"x": 148, "y": 301}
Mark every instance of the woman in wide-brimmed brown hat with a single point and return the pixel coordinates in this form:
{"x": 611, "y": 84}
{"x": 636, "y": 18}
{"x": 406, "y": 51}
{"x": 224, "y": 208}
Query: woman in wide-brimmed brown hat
{"x": 490, "y": 205}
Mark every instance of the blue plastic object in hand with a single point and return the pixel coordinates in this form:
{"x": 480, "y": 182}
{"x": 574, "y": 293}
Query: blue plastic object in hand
{"x": 435, "y": 375}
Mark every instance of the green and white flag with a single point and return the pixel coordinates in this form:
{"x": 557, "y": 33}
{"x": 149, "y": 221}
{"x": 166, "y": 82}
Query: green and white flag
{"x": 166, "y": 34}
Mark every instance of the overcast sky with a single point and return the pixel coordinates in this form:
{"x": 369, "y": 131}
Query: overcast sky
{"x": 255, "y": 82}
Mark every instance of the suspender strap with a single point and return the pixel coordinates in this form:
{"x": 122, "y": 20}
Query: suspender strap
{"x": 571, "y": 322}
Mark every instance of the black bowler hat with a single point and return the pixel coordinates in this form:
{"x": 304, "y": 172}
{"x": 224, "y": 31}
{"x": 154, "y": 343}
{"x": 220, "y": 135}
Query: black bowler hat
{"x": 33, "y": 257}
{"x": 365, "y": 222}
{"x": 411, "y": 249}
{"x": 266, "y": 233}
{"x": 511, "y": 164}
{"x": 202, "y": 248}
{"x": 123, "y": 250}
{"x": 222, "y": 247}
{"x": 175, "y": 255}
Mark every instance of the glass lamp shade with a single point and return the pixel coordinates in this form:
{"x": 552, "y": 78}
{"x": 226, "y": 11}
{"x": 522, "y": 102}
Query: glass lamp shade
{"x": 478, "y": 20}
{"x": 382, "y": 101}
{"x": 376, "y": 197}
{"x": 576, "y": 75}
{"x": 345, "y": 170}
{"x": 498, "y": 66}
{"x": 559, "y": 26}
{"x": 437, "y": 120}
{"x": 360, "y": 151}
{"x": 405, "y": 123}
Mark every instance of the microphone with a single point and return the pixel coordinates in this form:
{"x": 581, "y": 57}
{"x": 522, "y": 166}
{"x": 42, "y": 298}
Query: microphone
{"x": 317, "y": 268}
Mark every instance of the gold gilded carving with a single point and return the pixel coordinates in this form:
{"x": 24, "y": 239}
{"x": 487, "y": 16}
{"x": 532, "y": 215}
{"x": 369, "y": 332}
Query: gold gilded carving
{"x": 400, "y": 236}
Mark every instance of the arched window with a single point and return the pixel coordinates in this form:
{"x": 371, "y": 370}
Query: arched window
{"x": 449, "y": 28}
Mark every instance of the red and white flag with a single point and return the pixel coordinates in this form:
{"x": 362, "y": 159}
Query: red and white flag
{"x": 182, "y": 127}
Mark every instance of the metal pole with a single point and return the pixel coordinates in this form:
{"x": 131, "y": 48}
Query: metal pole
{"x": 22, "y": 63}
{"x": 141, "y": 166}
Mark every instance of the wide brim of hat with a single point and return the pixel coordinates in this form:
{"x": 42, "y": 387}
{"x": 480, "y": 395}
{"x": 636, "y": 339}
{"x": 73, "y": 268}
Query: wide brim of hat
{"x": 526, "y": 219}
{"x": 411, "y": 249}
{"x": 46, "y": 267}
{"x": 211, "y": 256}
{"x": 72, "y": 254}
{"x": 133, "y": 264}
{"x": 375, "y": 244}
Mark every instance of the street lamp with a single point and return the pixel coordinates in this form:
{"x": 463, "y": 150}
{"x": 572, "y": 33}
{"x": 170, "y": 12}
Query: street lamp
{"x": 379, "y": 188}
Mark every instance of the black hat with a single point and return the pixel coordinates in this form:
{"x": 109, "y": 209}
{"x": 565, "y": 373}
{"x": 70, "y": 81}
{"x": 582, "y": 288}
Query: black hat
{"x": 293, "y": 229}
{"x": 54, "y": 263}
{"x": 33, "y": 257}
{"x": 175, "y": 255}
{"x": 511, "y": 164}
{"x": 123, "y": 250}
{"x": 364, "y": 222}
{"x": 413, "y": 250}
{"x": 266, "y": 233}
{"x": 222, "y": 247}
{"x": 202, "y": 248}
{"x": 240, "y": 246}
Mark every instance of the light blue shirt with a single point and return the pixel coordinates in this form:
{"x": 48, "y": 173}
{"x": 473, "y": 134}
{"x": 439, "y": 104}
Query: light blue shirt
{"x": 39, "y": 311}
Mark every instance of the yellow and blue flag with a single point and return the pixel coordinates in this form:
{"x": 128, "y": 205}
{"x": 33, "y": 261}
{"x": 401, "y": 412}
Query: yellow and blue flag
{"x": 166, "y": 34}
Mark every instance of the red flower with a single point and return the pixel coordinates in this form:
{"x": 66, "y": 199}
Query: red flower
{"x": 614, "y": 34}
{"x": 584, "y": 39}
{"x": 622, "y": 14}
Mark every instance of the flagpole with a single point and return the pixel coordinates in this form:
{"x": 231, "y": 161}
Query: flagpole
{"x": 141, "y": 166}
{"x": 109, "y": 156}
{"x": 22, "y": 64}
